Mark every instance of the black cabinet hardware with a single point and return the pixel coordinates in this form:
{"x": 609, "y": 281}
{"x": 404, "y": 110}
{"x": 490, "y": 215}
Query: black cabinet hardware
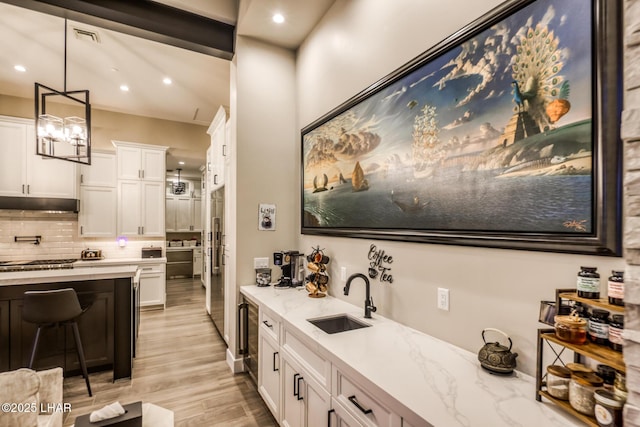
{"x": 329, "y": 416}
{"x": 274, "y": 362}
{"x": 295, "y": 385}
{"x": 353, "y": 400}
{"x": 300, "y": 378}
{"x": 267, "y": 324}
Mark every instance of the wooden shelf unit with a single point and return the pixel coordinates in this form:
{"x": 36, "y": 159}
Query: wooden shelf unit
{"x": 599, "y": 353}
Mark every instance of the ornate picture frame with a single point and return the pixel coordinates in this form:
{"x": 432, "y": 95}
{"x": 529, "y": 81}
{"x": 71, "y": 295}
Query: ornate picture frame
{"x": 505, "y": 134}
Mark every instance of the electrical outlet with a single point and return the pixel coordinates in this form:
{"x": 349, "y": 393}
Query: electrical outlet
{"x": 343, "y": 273}
{"x": 261, "y": 262}
{"x": 443, "y": 299}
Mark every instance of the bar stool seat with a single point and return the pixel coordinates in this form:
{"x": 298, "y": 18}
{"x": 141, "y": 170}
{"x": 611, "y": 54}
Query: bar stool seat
{"x": 54, "y": 308}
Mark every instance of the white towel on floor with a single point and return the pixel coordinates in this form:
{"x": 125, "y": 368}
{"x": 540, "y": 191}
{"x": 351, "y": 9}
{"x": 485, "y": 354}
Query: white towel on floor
{"x": 110, "y": 411}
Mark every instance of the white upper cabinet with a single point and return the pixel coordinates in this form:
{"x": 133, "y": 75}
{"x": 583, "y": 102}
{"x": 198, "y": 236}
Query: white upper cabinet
{"x": 216, "y": 161}
{"x": 141, "y": 189}
{"x": 98, "y": 196}
{"x": 101, "y": 172}
{"x": 25, "y": 174}
{"x": 137, "y": 161}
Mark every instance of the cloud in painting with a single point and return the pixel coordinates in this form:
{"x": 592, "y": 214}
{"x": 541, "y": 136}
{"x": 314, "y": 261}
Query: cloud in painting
{"x": 466, "y": 117}
{"x": 398, "y": 92}
{"x": 481, "y": 58}
{"x": 421, "y": 79}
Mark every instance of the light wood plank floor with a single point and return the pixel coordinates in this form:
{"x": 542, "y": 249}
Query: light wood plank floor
{"x": 180, "y": 365}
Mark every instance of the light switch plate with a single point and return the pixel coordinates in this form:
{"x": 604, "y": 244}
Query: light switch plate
{"x": 443, "y": 299}
{"x": 262, "y": 262}
{"x": 343, "y": 273}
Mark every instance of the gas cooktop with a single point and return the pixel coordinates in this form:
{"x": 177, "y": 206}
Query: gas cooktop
{"x": 41, "y": 264}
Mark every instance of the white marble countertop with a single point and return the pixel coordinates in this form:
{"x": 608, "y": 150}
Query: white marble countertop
{"x": 118, "y": 261}
{"x": 67, "y": 275}
{"x": 439, "y": 382}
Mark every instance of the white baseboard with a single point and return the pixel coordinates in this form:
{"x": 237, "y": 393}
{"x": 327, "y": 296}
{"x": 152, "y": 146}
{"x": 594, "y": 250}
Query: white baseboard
{"x": 236, "y": 365}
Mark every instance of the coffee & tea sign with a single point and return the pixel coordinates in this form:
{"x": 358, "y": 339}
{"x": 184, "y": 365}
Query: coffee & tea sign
{"x": 380, "y": 264}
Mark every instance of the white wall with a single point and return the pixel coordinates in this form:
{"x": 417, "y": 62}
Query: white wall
{"x": 263, "y": 123}
{"x": 357, "y": 43}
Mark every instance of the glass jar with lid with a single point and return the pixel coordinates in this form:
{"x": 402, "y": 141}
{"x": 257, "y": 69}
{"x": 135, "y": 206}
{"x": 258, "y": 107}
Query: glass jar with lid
{"x": 608, "y": 408}
{"x": 615, "y": 288}
{"x": 599, "y": 326}
{"x": 571, "y": 328}
{"x": 588, "y": 284}
{"x": 558, "y": 378}
{"x": 581, "y": 391}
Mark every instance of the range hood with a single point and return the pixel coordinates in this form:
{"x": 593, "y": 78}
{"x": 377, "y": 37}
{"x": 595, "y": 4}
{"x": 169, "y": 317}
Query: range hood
{"x": 51, "y": 205}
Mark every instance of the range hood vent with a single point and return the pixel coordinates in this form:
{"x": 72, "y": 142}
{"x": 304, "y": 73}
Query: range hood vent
{"x": 50, "y": 205}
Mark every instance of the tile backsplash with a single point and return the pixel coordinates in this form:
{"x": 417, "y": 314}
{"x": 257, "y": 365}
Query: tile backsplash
{"x": 60, "y": 239}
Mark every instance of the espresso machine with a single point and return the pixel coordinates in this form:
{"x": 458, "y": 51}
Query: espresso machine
{"x": 292, "y": 265}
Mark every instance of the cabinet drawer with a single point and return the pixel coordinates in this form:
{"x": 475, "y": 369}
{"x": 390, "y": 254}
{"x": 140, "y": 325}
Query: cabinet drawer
{"x": 309, "y": 356}
{"x": 270, "y": 325}
{"x": 362, "y": 404}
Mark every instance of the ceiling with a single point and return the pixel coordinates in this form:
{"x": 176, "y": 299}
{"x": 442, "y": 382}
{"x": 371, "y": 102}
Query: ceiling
{"x": 101, "y": 63}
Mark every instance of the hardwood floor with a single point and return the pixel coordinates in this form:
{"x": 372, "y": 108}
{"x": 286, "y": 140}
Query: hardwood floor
{"x": 180, "y": 365}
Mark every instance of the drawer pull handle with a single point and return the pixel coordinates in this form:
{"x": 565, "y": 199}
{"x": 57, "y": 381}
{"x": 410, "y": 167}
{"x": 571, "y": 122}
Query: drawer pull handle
{"x": 274, "y": 362}
{"x": 267, "y": 324}
{"x": 353, "y": 400}
{"x": 300, "y": 378}
{"x": 329, "y": 417}
{"x": 295, "y": 393}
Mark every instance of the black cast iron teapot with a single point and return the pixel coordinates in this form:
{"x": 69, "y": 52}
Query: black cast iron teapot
{"x": 495, "y": 357}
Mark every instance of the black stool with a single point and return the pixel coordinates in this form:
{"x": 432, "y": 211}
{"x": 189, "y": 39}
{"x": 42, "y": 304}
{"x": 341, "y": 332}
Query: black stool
{"x": 51, "y": 309}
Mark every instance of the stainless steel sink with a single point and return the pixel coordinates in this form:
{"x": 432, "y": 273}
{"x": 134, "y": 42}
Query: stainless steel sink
{"x": 338, "y": 323}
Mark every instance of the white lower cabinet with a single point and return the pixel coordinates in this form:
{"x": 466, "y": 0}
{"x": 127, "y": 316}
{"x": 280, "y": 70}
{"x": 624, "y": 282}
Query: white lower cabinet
{"x": 153, "y": 286}
{"x": 304, "y": 387}
{"x": 269, "y": 373}
{"x": 363, "y": 405}
{"x": 304, "y": 401}
{"x": 340, "y": 417}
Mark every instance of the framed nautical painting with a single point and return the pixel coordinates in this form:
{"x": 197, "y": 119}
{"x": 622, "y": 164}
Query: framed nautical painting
{"x": 505, "y": 134}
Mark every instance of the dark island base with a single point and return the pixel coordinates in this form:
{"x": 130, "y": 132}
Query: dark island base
{"x": 105, "y": 329}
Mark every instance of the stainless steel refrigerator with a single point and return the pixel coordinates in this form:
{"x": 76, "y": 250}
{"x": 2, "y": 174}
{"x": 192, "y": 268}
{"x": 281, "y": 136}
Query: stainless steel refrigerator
{"x": 217, "y": 267}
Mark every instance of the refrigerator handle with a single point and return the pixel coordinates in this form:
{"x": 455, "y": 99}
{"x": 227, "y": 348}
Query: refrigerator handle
{"x": 243, "y": 327}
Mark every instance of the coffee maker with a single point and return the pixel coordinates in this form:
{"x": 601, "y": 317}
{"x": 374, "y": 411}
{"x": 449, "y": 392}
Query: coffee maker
{"x": 292, "y": 265}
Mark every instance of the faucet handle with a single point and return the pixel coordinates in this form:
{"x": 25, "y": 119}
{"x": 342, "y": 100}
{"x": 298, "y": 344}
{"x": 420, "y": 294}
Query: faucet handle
{"x": 371, "y": 306}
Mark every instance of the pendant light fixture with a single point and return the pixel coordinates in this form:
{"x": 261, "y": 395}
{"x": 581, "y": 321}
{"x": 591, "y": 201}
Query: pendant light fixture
{"x": 63, "y": 120}
{"x": 179, "y": 187}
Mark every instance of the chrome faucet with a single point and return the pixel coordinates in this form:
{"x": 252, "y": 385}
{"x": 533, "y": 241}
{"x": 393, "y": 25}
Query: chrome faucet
{"x": 368, "y": 302}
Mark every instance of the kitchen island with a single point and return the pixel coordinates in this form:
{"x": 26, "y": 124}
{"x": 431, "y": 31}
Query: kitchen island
{"x": 387, "y": 371}
{"x": 106, "y": 327}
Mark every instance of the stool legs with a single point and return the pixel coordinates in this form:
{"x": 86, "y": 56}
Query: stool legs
{"x": 83, "y": 364}
{"x": 36, "y": 340}
{"x": 79, "y": 349}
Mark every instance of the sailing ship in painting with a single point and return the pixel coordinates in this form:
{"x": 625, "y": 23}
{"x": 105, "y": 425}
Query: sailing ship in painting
{"x": 501, "y": 123}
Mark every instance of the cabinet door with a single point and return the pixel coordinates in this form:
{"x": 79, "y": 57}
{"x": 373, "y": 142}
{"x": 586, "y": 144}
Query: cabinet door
{"x": 129, "y": 162}
{"x": 196, "y": 214}
{"x": 97, "y": 217}
{"x": 340, "y": 417}
{"x": 269, "y": 374}
{"x": 102, "y": 171}
{"x": 47, "y": 177}
{"x": 317, "y": 402}
{"x": 129, "y": 208}
{"x": 13, "y": 162}
{"x": 153, "y": 165}
{"x": 197, "y": 261}
{"x": 4, "y": 336}
{"x": 171, "y": 210}
{"x": 291, "y": 404}
{"x": 152, "y": 210}
{"x": 183, "y": 216}
{"x": 152, "y": 286}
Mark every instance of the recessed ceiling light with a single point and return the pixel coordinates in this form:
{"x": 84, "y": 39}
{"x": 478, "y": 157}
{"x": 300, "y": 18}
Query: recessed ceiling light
{"x": 167, "y": 81}
{"x": 181, "y": 163}
{"x": 124, "y": 88}
{"x": 20, "y": 68}
{"x": 278, "y": 18}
